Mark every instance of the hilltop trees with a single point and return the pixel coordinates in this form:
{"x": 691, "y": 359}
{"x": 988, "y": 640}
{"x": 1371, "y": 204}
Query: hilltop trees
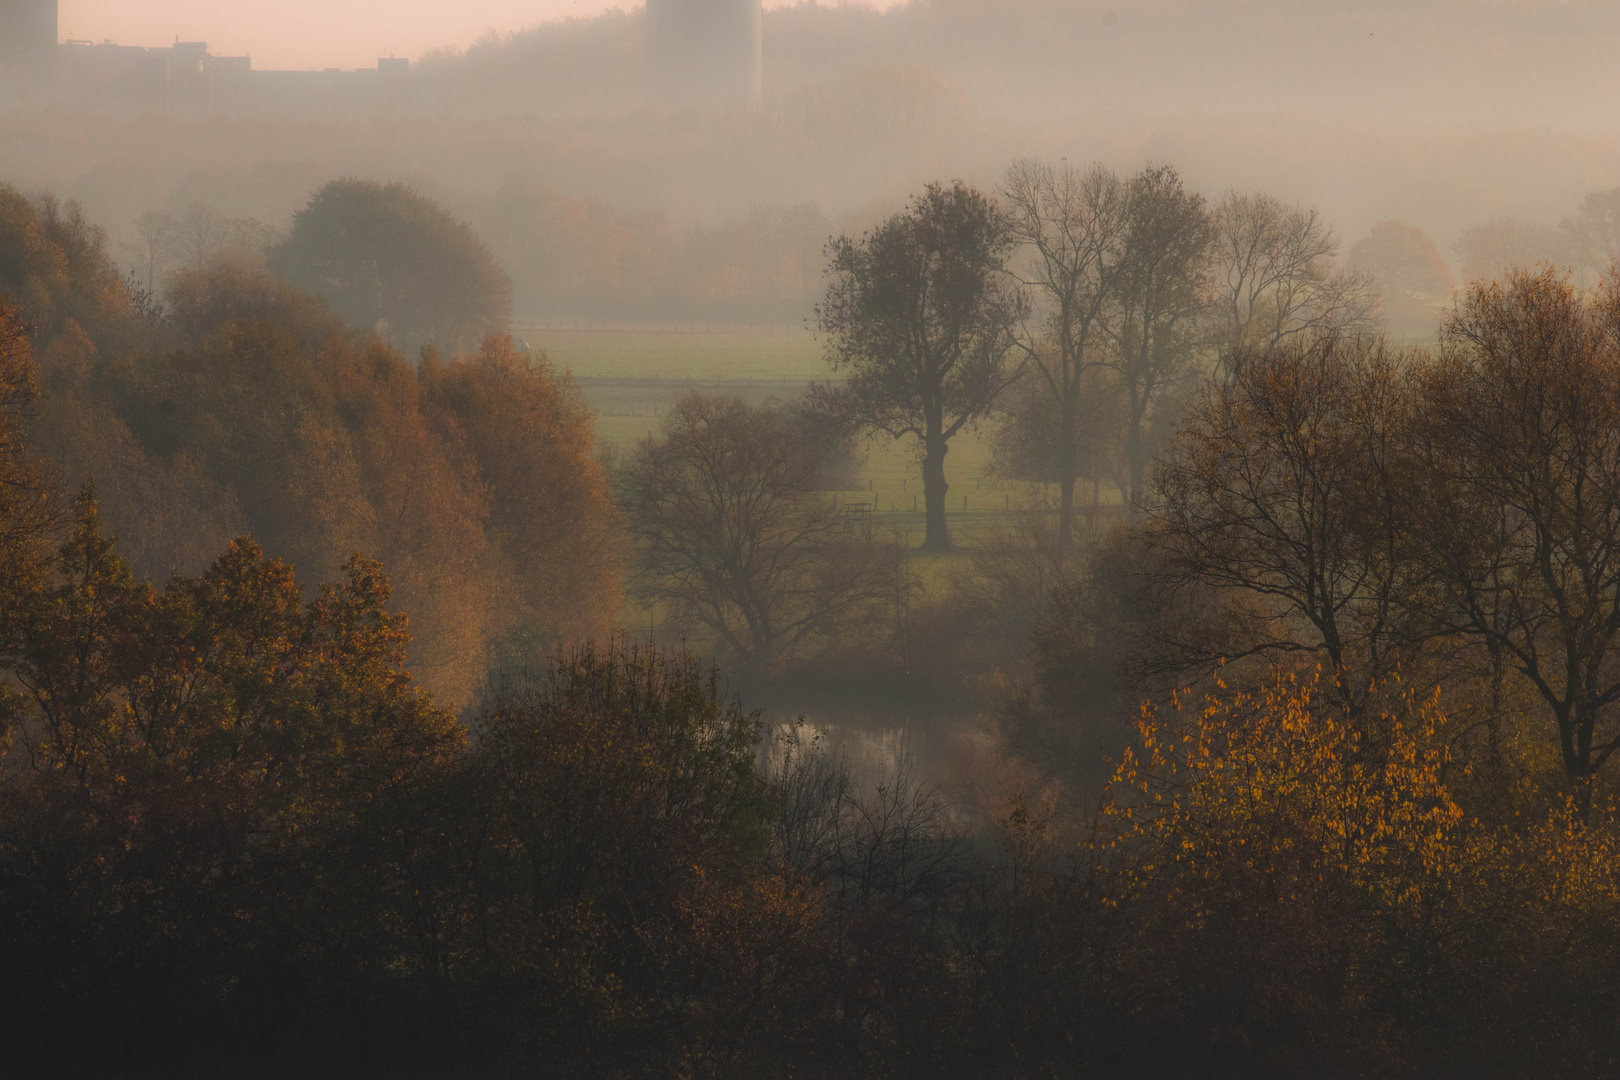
{"x": 27, "y": 486}
{"x": 382, "y": 254}
{"x": 55, "y": 268}
{"x": 919, "y": 314}
{"x": 243, "y": 405}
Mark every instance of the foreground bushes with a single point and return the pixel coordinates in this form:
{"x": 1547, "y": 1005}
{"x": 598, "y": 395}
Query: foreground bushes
{"x": 236, "y": 840}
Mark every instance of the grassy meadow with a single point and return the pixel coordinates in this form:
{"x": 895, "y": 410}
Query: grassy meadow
{"x": 629, "y": 376}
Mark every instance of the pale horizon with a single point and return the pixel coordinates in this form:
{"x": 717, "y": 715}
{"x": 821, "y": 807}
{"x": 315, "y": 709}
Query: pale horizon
{"x": 350, "y": 34}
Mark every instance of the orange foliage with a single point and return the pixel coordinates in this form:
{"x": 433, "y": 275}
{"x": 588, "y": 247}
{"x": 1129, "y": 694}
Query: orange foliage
{"x": 553, "y": 533}
{"x": 1274, "y": 787}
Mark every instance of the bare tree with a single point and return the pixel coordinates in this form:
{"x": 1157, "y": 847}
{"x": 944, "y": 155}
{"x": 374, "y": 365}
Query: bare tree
{"x": 1518, "y": 437}
{"x": 1490, "y": 249}
{"x": 1275, "y": 276}
{"x": 251, "y": 234}
{"x": 921, "y": 315}
{"x": 196, "y": 235}
{"x": 1163, "y": 292}
{"x": 730, "y": 537}
{"x": 153, "y": 243}
{"x": 1073, "y": 225}
{"x": 1285, "y": 490}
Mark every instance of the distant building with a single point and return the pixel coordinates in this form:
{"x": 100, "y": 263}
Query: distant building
{"x": 28, "y": 30}
{"x": 707, "y": 54}
{"x": 185, "y": 79}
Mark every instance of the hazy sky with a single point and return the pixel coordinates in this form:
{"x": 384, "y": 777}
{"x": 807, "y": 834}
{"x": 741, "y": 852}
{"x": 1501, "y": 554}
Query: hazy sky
{"x": 315, "y": 33}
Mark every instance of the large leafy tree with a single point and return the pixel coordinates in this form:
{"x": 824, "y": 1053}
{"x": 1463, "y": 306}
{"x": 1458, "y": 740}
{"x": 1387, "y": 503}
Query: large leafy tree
{"x": 921, "y": 314}
{"x": 1592, "y": 234}
{"x": 1411, "y": 274}
{"x": 383, "y": 254}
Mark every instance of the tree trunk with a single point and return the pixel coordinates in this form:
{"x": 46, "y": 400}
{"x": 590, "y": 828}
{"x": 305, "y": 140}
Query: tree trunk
{"x": 1575, "y": 729}
{"x": 1135, "y": 453}
{"x": 938, "y": 538}
{"x": 1067, "y": 470}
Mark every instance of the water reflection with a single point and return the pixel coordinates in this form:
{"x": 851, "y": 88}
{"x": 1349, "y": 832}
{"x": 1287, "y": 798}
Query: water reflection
{"x": 876, "y": 741}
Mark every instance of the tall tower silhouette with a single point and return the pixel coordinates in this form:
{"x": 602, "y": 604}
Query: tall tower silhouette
{"x": 27, "y": 35}
{"x": 707, "y": 54}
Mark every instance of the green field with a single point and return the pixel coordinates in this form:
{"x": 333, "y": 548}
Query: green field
{"x": 629, "y": 377}
{"x": 728, "y": 355}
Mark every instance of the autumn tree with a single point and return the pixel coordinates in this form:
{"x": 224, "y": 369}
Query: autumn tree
{"x": 1073, "y": 225}
{"x": 1162, "y": 294}
{"x": 55, "y": 267}
{"x": 383, "y": 255}
{"x": 1518, "y": 441}
{"x": 28, "y": 489}
{"x": 1285, "y": 493}
{"x": 729, "y": 536}
{"x": 203, "y": 761}
{"x": 1282, "y": 862}
{"x": 410, "y": 493}
{"x": 552, "y": 528}
{"x": 920, "y": 315}
{"x": 1412, "y": 276}
{"x": 1275, "y": 275}
{"x": 27, "y": 485}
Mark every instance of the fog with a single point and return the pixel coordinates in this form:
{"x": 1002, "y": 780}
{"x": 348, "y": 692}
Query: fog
{"x": 1440, "y": 114}
{"x": 302, "y": 34}
{"x": 948, "y": 538}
